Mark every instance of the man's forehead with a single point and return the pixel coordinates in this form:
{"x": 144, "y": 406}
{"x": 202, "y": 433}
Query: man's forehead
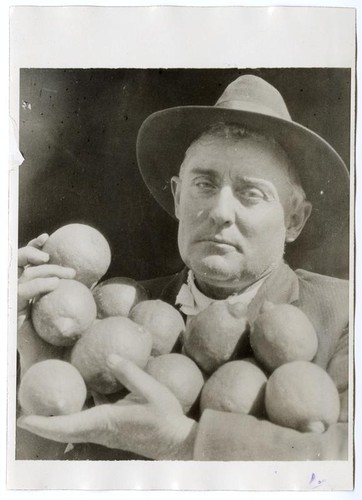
{"x": 213, "y": 155}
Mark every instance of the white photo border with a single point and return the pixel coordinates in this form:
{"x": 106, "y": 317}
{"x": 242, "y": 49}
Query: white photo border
{"x": 334, "y": 49}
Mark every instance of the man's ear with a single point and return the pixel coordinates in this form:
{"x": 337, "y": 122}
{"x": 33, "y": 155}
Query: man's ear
{"x": 176, "y": 192}
{"x": 297, "y": 218}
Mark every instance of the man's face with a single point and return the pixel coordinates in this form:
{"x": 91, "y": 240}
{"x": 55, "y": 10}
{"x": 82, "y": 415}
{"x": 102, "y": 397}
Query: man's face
{"x": 231, "y": 204}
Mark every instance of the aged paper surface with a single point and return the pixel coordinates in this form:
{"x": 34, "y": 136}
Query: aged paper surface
{"x": 217, "y": 38}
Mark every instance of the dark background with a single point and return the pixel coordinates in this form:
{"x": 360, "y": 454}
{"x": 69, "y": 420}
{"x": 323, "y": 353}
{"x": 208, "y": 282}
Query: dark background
{"x": 78, "y": 132}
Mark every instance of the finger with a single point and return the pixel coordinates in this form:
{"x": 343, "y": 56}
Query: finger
{"x": 47, "y": 271}
{"x": 39, "y": 241}
{"x": 32, "y": 289}
{"x": 142, "y": 384}
{"x": 76, "y": 428}
{"x": 31, "y": 255}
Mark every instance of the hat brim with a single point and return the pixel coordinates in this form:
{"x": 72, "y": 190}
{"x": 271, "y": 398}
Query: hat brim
{"x": 165, "y": 136}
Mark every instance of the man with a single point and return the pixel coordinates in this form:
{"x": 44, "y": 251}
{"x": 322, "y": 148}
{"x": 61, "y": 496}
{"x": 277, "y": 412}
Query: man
{"x": 243, "y": 180}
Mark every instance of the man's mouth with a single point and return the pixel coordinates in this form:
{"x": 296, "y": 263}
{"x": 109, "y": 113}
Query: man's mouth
{"x": 221, "y": 242}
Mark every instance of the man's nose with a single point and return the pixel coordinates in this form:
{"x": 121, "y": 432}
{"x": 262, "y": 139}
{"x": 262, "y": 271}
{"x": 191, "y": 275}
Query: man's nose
{"x": 223, "y": 210}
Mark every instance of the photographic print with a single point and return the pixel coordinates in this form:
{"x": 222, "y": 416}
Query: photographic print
{"x": 185, "y": 281}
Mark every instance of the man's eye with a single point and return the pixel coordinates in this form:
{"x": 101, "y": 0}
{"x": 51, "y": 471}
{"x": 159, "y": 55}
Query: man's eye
{"x": 204, "y": 185}
{"x": 252, "y": 193}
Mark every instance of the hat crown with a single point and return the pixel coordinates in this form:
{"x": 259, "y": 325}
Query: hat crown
{"x": 252, "y": 93}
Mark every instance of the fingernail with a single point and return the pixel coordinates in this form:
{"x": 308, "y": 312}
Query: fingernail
{"x": 44, "y": 257}
{"x": 42, "y": 238}
{"x": 113, "y": 360}
{"x": 68, "y": 272}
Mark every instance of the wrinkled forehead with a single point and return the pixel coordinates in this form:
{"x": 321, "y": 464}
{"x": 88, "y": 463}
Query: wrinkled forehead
{"x": 248, "y": 153}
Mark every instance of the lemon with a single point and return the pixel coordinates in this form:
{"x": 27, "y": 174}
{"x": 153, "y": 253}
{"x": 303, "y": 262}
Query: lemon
{"x": 114, "y": 335}
{"x": 61, "y": 316}
{"x": 162, "y": 320}
{"x": 180, "y": 374}
{"x": 301, "y": 395}
{"x": 216, "y": 335}
{"x": 117, "y": 296}
{"x": 52, "y": 387}
{"x": 237, "y": 386}
{"x": 82, "y": 248}
{"x": 282, "y": 333}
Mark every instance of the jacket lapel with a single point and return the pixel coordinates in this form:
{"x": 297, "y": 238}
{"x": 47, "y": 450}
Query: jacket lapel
{"x": 280, "y": 287}
{"x": 169, "y": 293}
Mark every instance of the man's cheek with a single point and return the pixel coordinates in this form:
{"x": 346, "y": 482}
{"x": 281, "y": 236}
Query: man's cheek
{"x": 262, "y": 223}
{"x": 274, "y": 236}
{"x": 272, "y": 218}
{"x": 267, "y": 233}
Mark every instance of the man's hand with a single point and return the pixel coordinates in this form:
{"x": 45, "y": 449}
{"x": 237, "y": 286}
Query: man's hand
{"x": 35, "y": 278}
{"x": 157, "y": 429}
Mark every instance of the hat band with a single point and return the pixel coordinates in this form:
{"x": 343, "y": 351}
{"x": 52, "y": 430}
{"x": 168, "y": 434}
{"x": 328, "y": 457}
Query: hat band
{"x": 253, "y": 107}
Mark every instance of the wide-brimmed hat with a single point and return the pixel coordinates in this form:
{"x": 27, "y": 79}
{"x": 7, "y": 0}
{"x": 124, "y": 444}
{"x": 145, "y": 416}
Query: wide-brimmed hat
{"x": 255, "y": 104}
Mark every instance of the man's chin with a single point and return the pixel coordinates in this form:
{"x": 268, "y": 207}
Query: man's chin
{"x": 217, "y": 269}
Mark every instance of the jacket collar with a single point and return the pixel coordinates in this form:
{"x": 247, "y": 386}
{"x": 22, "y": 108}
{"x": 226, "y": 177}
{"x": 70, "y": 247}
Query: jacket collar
{"x": 280, "y": 287}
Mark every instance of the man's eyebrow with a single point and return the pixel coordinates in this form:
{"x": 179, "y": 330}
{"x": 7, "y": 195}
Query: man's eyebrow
{"x": 204, "y": 171}
{"x": 255, "y": 180}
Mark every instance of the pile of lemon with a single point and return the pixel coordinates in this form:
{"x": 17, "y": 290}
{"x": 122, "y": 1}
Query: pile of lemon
{"x": 91, "y": 320}
{"x": 263, "y": 369}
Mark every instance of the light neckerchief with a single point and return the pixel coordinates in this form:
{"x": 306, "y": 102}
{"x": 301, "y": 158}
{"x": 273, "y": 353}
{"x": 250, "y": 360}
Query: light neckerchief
{"x": 192, "y": 301}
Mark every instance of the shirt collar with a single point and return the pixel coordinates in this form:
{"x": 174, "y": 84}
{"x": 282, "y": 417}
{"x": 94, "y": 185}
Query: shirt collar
{"x": 192, "y": 301}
